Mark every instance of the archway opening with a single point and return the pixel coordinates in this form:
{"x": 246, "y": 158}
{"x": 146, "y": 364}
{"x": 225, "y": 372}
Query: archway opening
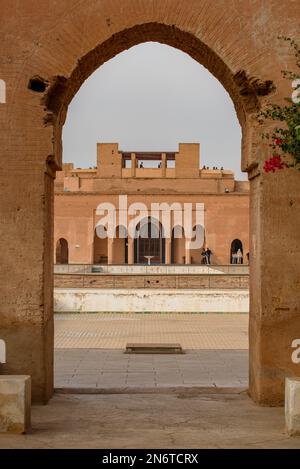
{"x": 178, "y": 245}
{"x": 200, "y": 252}
{"x": 149, "y": 244}
{"x": 62, "y": 251}
{"x": 100, "y": 245}
{"x": 236, "y": 252}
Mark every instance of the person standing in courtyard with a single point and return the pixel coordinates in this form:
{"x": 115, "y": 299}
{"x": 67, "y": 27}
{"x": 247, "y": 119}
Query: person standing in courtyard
{"x": 208, "y": 254}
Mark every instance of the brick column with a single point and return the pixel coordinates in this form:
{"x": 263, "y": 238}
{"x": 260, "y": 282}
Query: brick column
{"x": 164, "y": 164}
{"x": 110, "y": 250}
{"x": 130, "y": 251}
{"x": 168, "y": 250}
{"x": 26, "y": 306}
{"x": 274, "y": 283}
{"x": 133, "y": 164}
{"x": 187, "y": 252}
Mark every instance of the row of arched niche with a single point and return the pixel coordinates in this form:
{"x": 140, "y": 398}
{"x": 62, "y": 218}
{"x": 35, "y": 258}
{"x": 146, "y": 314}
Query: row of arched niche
{"x": 149, "y": 241}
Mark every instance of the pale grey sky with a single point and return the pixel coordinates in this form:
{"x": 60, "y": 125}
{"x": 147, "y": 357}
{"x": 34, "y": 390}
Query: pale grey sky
{"x": 151, "y": 97}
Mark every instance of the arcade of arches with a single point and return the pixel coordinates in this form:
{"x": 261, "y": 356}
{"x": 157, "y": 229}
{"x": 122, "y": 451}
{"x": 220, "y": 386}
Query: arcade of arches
{"x": 60, "y": 47}
{"x": 222, "y": 201}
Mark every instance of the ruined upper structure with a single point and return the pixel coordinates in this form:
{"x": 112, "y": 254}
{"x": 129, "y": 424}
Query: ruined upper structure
{"x": 116, "y": 169}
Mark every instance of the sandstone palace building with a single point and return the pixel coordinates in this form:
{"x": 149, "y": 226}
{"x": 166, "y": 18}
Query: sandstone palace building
{"x": 164, "y": 178}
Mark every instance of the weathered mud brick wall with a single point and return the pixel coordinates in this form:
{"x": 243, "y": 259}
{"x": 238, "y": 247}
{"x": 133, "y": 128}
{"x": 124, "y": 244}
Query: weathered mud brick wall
{"x": 47, "y": 51}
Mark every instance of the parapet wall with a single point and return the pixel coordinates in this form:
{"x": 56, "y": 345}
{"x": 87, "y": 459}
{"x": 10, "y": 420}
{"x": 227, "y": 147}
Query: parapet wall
{"x": 112, "y": 300}
{"x": 163, "y": 281}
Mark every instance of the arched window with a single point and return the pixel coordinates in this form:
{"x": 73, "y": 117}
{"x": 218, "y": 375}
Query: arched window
{"x": 236, "y": 252}
{"x": 100, "y": 245}
{"x": 62, "y": 251}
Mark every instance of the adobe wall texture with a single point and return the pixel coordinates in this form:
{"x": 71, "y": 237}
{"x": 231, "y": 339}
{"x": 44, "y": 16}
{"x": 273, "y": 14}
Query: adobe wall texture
{"x": 63, "y": 42}
{"x": 79, "y": 192}
{"x": 226, "y": 217}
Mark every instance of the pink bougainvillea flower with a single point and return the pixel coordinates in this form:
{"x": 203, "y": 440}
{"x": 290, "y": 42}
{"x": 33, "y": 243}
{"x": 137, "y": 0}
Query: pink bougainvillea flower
{"x": 278, "y": 141}
{"x": 274, "y": 163}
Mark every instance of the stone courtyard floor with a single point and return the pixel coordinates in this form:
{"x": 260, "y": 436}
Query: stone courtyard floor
{"x": 115, "y": 330}
{"x": 112, "y": 369}
{"x": 90, "y": 351}
{"x": 195, "y": 400}
{"x": 181, "y": 419}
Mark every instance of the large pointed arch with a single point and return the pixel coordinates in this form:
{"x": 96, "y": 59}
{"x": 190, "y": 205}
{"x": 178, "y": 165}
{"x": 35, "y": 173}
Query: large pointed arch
{"x": 244, "y": 94}
{"x": 65, "y": 45}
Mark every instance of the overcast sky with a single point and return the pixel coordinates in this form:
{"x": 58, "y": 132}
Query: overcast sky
{"x": 151, "y": 97}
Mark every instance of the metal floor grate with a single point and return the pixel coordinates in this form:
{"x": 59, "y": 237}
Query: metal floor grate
{"x": 154, "y": 348}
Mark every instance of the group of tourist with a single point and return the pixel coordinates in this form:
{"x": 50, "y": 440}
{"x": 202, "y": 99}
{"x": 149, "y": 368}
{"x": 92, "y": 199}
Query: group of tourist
{"x": 214, "y": 167}
{"x": 237, "y": 257}
{"x": 204, "y": 167}
{"x": 206, "y": 255}
{"x": 142, "y": 165}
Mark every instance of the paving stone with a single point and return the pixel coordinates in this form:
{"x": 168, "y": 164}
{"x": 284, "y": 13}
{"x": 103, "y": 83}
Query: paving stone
{"x": 198, "y": 366}
{"x": 190, "y": 330}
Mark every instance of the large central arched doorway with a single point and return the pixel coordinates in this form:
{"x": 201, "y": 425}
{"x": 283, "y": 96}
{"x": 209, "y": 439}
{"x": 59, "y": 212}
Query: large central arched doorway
{"x": 149, "y": 242}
